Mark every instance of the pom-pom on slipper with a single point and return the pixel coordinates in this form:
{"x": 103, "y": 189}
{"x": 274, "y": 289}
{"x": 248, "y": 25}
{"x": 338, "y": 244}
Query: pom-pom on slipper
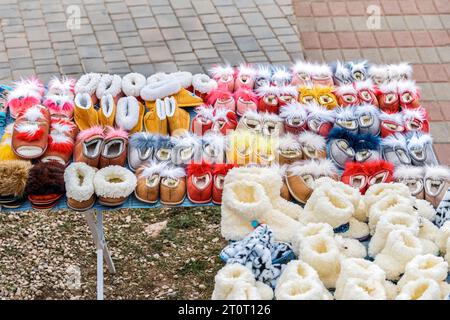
{"x": 113, "y": 185}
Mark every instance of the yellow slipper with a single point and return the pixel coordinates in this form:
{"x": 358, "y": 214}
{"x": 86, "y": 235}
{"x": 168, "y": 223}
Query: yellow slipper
{"x": 85, "y": 114}
{"x": 155, "y": 120}
{"x": 129, "y": 114}
{"x": 6, "y": 151}
{"x": 107, "y": 111}
{"x": 177, "y": 118}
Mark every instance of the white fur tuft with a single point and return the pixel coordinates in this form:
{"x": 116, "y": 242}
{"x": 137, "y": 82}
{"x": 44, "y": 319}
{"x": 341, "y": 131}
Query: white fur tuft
{"x": 293, "y": 110}
{"x": 160, "y": 89}
{"x": 88, "y": 83}
{"x": 219, "y": 71}
{"x": 127, "y": 114}
{"x": 105, "y": 188}
{"x": 132, "y": 84}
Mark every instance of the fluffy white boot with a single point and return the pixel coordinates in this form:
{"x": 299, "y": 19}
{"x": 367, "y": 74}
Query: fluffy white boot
{"x": 420, "y": 289}
{"x": 378, "y": 191}
{"x": 350, "y": 248}
{"x": 425, "y": 209}
{"x": 362, "y": 289}
{"x": 309, "y": 230}
{"x": 401, "y": 247}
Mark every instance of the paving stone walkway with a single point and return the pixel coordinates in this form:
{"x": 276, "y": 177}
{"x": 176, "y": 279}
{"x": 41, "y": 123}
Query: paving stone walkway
{"x": 417, "y": 31}
{"x": 47, "y": 37}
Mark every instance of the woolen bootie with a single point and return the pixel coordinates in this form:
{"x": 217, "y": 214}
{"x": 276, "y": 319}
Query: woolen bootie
{"x": 420, "y": 289}
{"x": 425, "y": 266}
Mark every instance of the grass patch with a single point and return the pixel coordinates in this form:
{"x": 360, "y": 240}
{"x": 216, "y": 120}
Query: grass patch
{"x": 184, "y": 221}
{"x": 196, "y": 267}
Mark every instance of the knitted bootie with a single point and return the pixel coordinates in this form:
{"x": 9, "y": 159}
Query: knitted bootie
{"x": 302, "y": 289}
{"x": 420, "y": 289}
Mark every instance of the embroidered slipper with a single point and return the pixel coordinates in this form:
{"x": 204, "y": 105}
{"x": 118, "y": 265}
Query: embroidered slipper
{"x": 340, "y": 148}
{"x": 219, "y": 172}
{"x": 62, "y": 87}
{"x": 268, "y": 98}
{"x": 172, "y": 189}
{"x": 366, "y": 92}
{"x": 132, "y": 84}
{"x": 289, "y": 150}
{"x": 107, "y": 111}
{"x": 281, "y": 77}
{"x": 148, "y": 180}
{"x": 356, "y": 176}
{"x": 358, "y": 70}
{"x": 391, "y": 123}
{"x": 13, "y": 180}
{"x": 45, "y": 184}
{"x": 313, "y": 145}
{"x": 394, "y": 150}
{"x": 199, "y": 182}
{"x": 416, "y": 120}
{"x": 245, "y": 77}
{"x": 213, "y": 148}
{"x": 79, "y": 182}
{"x": 224, "y": 121}
{"x": 203, "y": 121}
{"x": 129, "y": 114}
{"x": 322, "y": 75}
{"x": 186, "y": 149}
{"x": 224, "y": 76}
{"x": 30, "y": 133}
{"x": 113, "y": 185}
{"x": 408, "y": 94}
{"x": 272, "y": 125}
{"x": 436, "y": 183}
{"x": 420, "y": 148}
{"x": 294, "y": 116}
{"x": 25, "y": 94}
{"x": 141, "y": 149}
{"x": 246, "y": 100}
{"x": 88, "y": 83}
{"x": 341, "y": 74}
{"x": 251, "y": 121}
{"x": 203, "y": 85}
{"x": 179, "y": 120}
{"x": 164, "y": 148}
{"x": 109, "y": 84}
{"x": 346, "y": 119}
{"x": 89, "y": 146}
{"x": 301, "y": 74}
{"x": 413, "y": 178}
{"x": 379, "y": 74}
{"x": 388, "y": 99}
{"x": 263, "y": 76}
{"x": 400, "y": 71}
{"x": 85, "y": 115}
{"x": 155, "y": 120}
{"x": 320, "y": 120}
{"x": 347, "y": 95}
{"x": 368, "y": 117}
{"x": 287, "y": 95}
{"x": 221, "y": 99}
{"x": 114, "y": 148}
{"x": 240, "y": 147}
{"x": 6, "y": 151}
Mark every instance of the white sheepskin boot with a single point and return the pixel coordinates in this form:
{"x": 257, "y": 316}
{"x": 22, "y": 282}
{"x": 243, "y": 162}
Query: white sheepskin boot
{"x": 309, "y": 230}
{"x": 420, "y": 289}
{"x": 401, "y": 247}
{"x": 245, "y": 204}
{"x": 391, "y": 220}
{"x": 378, "y": 191}
{"x": 272, "y": 184}
{"x": 322, "y": 253}
{"x": 362, "y": 289}
{"x": 236, "y": 282}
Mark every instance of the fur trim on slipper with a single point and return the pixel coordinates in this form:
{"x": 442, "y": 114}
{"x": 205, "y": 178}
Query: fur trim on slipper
{"x": 143, "y": 140}
{"x": 218, "y": 94}
{"x": 316, "y": 110}
{"x": 288, "y": 142}
{"x": 288, "y": 91}
{"x": 61, "y": 87}
{"x": 316, "y": 167}
{"x": 109, "y": 84}
{"x": 221, "y": 71}
{"x": 321, "y": 70}
{"x": 341, "y": 74}
{"x": 160, "y": 89}
{"x": 302, "y": 67}
{"x": 263, "y": 72}
{"x": 173, "y": 172}
{"x": 425, "y": 266}
{"x": 13, "y": 177}
{"x": 203, "y": 84}
{"x": 312, "y": 140}
{"x": 400, "y": 71}
{"x": 407, "y": 86}
{"x": 128, "y": 113}
{"x": 366, "y": 142}
{"x": 60, "y": 143}
{"x": 404, "y": 172}
{"x": 281, "y": 76}
{"x": 46, "y": 178}
{"x": 79, "y": 178}
{"x": 132, "y": 84}
{"x": 158, "y": 77}
{"x": 358, "y": 69}
{"x": 93, "y": 131}
{"x": 151, "y": 168}
{"x": 346, "y": 89}
{"x": 437, "y": 172}
{"x": 114, "y": 182}
{"x": 267, "y": 90}
{"x": 293, "y": 110}
{"x": 246, "y": 70}
{"x": 26, "y": 93}
{"x": 379, "y": 73}
{"x": 184, "y": 78}
{"x": 88, "y": 83}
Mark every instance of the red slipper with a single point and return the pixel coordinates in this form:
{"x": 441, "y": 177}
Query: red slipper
{"x": 220, "y": 170}
{"x": 199, "y": 182}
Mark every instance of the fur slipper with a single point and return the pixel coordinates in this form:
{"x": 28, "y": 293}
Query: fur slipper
{"x": 164, "y": 148}
{"x": 313, "y": 145}
{"x": 436, "y": 184}
{"x": 355, "y": 175}
{"x": 60, "y": 106}
{"x": 347, "y": 95}
{"x": 272, "y": 125}
{"x": 366, "y": 92}
{"x": 203, "y": 85}
{"x": 408, "y": 94}
{"x": 340, "y": 146}
{"x": 88, "y": 83}
{"x": 148, "y": 181}
{"x": 13, "y": 179}
{"x": 322, "y": 75}
{"x": 213, "y": 146}
{"x": 221, "y": 98}
{"x": 45, "y": 183}
{"x": 341, "y": 74}
{"x": 162, "y": 88}
{"x": 113, "y": 185}
{"x": 416, "y": 120}
{"x": 25, "y": 94}
{"x": 280, "y": 77}
{"x": 413, "y": 178}
{"x": 425, "y": 267}
{"x": 301, "y": 74}
{"x": 287, "y": 94}
{"x": 379, "y": 73}
{"x": 245, "y": 77}
{"x": 224, "y": 121}
{"x": 88, "y": 146}
{"x": 289, "y": 150}
{"x": 391, "y": 123}
{"x": 141, "y": 148}
{"x": 61, "y": 87}
{"x": 400, "y": 71}
{"x": 320, "y": 120}
{"x": 263, "y": 76}
{"x": 394, "y": 149}
{"x": 85, "y": 114}
{"x": 173, "y": 185}
{"x": 130, "y": 114}
{"x": 388, "y": 99}
{"x": 109, "y": 84}
{"x": 377, "y": 192}
{"x": 420, "y": 149}
{"x": 367, "y": 148}
{"x": 246, "y": 100}
{"x": 346, "y": 119}
{"x": 358, "y": 70}
{"x": 368, "y": 117}
{"x": 302, "y": 289}
{"x": 224, "y": 75}
{"x": 60, "y": 148}
{"x": 378, "y": 171}
{"x": 114, "y": 148}
{"x": 323, "y": 96}
{"x": 184, "y": 78}
{"x": 203, "y": 120}
{"x": 251, "y": 121}
{"x": 295, "y": 117}
{"x": 186, "y": 149}
{"x": 79, "y": 182}
{"x": 362, "y": 289}
{"x": 132, "y": 84}
{"x": 420, "y": 289}
{"x": 268, "y": 99}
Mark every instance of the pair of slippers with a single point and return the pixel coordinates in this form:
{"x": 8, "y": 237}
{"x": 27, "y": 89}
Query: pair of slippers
{"x": 344, "y": 146}
{"x": 84, "y": 184}
{"x": 218, "y": 120}
{"x": 272, "y": 98}
{"x": 266, "y": 124}
{"x": 59, "y": 98}
{"x": 25, "y": 94}
{"x": 362, "y": 176}
{"x": 345, "y": 73}
{"x": 231, "y": 79}
{"x": 311, "y": 74}
{"x": 240, "y": 101}
{"x": 398, "y": 95}
{"x": 414, "y": 148}
{"x": 405, "y": 121}
{"x": 97, "y": 85}
{"x": 390, "y": 72}
{"x": 324, "y": 96}
{"x": 363, "y": 119}
{"x": 307, "y": 145}
{"x": 357, "y": 93}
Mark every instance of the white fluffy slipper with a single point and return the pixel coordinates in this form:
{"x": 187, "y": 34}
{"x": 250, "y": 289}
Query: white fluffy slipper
{"x": 443, "y": 240}
{"x": 425, "y": 266}
{"x": 114, "y": 184}
{"x": 79, "y": 181}
{"x": 309, "y": 230}
{"x": 132, "y": 84}
{"x": 203, "y": 83}
{"x": 302, "y": 289}
{"x": 183, "y": 77}
{"x": 158, "y": 89}
{"x": 128, "y": 113}
{"x": 351, "y": 248}
{"x": 109, "y": 84}
{"x": 88, "y": 83}
{"x": 380, "y": 190}
{"x": 420, "y": 289}
{"x": 362, "y": 289}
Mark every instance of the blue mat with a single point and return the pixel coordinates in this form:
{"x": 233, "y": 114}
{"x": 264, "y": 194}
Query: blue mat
{"x": 132, "y": 201}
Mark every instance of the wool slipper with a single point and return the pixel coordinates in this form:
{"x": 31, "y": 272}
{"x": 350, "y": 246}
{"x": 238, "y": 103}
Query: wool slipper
{"x": 379, "y": 74}
{"x": 436, "y": 183}
{"x": 412, "y": 177}
{"x": 224, "y": 76}
{"x": 346, "y": 119}
{"x": 132, "y": 84}
{"x": 286, "y": 95}
{"x": 391, "y": 123}
{"x": 340, "y": 146}
{"x": 129, "y": 114}
{"x": 219, "y": 173}
{"x": 420, "y": 148}
{"x": 368, "y": 117}
{"x": 89, "y": 146}
{"x": 61, "y": 87}
{"x": 88, "y": 83}
{"x": 281, "y": 77}
{"x": 251, "y": 121}
{"x": 313, "y": 145}
{"x": 325, "y": 97}
{"x": 366, "y": 92}
{"x": 268, "y": 98}
{"x": 155, "y": 120}
{"x": 388, "y": 99}
{"x": 186, "y": 149}
{"x": 6, "y": 151}
{"x": 295, "y": 117}
{"x": 246, "y": 100}
{"x": 394, "y": 150}
{"x": 320, "y": 120}
{"x": 13, "y": 180}
{"x": 263, "y": 76}
{"x": 30, "y": 133}
{"x": 408, "y": 94}
{"x": 400, "y": 71}
{"x": 164, "y": 148}
{"x": 301, "y": 74}
{"x": 109, "y": 84}
{"x": 341, "y": 74}
{"x": 203, "y": 85}
{"x": 107, "y": 111}
{"x": 199, "y": 182}
{"x": 141, "y": 148}
{"x": 113, "y": 185}
{"x": 245, "y": 77}
{"x": 25, "y": 94}
{"x": 45, "y": 184}
{"x": 148, "y": 180}
{"x": 272, "y": 125}
{"x": 79, "y": 182}
{"x": 221, "y": 98}
{"x": 172, "y": 190}
{"x": 85, "y": 114}
{"x": 347, "y": 95}
{"x": 322, "y": 75}
{"x": 416, "y": 120}
{"x": 114, "y": 148}
{"x": 203, "y": 120}
{"x": 213, "y": 148}
{"x": 60, "y": 106}
{"x": 355, "y": 175}
{"x": 421, "y": 289}
{"x": 378, "y": 171}
{"x": 289, "y": 150}
{"x": 358, "y": 70}
{"x": 224, "y": 121}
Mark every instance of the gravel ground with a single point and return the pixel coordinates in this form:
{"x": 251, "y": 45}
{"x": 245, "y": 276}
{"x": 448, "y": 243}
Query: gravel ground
{"x": 169, "y": 253}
